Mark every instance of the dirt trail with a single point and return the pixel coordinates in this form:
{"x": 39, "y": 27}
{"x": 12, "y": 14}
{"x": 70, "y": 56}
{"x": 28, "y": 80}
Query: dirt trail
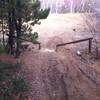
{"x": 57, "y": 77}
{"x": 45, "y": 71}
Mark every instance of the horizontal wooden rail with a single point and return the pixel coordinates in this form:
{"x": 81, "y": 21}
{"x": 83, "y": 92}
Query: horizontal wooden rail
{"x": 77, "y": 41}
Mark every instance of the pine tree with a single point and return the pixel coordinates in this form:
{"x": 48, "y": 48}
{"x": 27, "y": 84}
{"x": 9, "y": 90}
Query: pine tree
{"x": 17, "y": 12}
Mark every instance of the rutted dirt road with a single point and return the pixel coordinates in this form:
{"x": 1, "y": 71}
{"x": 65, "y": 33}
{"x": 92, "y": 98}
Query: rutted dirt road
{"x": 54, "y": 77}
{"x": 60, "y": 75}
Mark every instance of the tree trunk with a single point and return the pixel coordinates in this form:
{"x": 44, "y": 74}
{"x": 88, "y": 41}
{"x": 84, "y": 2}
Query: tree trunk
{"x": 3, "y": 34}
{"x": 17, "y": 23}
{"x": 71, "y": 6}
{"x": 11, "y": 33}
{"x": 18, "y": 34}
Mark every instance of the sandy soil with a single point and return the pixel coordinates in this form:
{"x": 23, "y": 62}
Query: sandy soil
{"x": 59, "y": 28}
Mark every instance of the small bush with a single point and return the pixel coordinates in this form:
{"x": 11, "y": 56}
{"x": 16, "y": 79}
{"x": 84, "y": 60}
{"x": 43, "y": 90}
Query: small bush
{"x": 11, "y": 83}
{"x": 7, "y": 90}
{"x": 4, "y": 77}
{"x": 34, "y": 37}
{"x": 2, "y": 49}
{"x": 3, "y": 98}
{"x": 8, "y": 65}
{"x": 12, "y": 87}
{"x": 19, "y": 83}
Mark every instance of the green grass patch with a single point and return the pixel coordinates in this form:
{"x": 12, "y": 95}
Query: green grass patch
{"x": 11, "y": 83}
{"x": 8, "y": 65}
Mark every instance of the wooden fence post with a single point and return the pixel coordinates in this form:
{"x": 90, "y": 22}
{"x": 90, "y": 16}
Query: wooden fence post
{"x": 90, "y": 45}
